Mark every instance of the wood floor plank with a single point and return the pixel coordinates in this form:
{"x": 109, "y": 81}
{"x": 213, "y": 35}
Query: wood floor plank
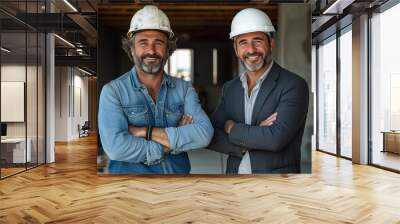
{"x": 70, "y": 191}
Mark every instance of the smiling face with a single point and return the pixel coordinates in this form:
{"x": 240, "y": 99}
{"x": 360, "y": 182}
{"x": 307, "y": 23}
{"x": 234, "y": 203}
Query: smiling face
{"x": 150, "y": 51}
{"x": 254, "y": 50}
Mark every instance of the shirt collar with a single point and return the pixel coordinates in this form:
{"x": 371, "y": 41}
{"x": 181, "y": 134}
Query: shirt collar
{"x": 243, "y": 76}
{"x": 168, "y": 80}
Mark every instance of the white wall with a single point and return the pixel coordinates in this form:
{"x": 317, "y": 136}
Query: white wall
{"x": 61, "y": 103}
{"x": 16, "y": 72}
{"x": 70, "y": 83}
{"x": 80, "y": 84}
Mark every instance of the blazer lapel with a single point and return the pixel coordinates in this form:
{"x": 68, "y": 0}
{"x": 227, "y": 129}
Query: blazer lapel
{"x": 238, "y": 100}
{"x": 266, "y": 88}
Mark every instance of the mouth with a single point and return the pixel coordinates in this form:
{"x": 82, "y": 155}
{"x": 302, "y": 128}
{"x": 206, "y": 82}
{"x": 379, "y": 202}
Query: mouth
{"x": 147, "y": 59}
{"x": 151, "y": 58}
{"x": 253, "y": 58}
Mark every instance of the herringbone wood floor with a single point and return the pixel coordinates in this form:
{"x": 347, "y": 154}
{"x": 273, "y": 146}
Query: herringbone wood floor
{"x": 70, "y": 191}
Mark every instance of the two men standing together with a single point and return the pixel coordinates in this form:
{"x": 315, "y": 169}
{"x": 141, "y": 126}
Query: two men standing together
{"x": 148, "y": 120}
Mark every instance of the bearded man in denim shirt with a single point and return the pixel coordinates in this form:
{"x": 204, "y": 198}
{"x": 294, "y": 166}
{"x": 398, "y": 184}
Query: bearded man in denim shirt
{"x": 148, "y": 119}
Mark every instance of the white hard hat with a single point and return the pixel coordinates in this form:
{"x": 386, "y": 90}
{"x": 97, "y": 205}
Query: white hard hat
{"x": 250, "y": 20}
{"x": 150, "y": 18}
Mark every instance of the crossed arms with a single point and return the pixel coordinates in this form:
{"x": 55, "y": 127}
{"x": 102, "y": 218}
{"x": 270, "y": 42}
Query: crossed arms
{"x": 159, "y": 135}
{"x": 124, "y": 143}
{"x": 271, "y": 134}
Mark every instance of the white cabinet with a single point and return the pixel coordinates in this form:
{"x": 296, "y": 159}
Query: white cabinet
{"x": 18, "y": 149}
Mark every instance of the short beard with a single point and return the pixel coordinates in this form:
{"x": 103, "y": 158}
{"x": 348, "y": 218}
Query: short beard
{"x": 255, "y": 67}
{"x": 152, "y": 68}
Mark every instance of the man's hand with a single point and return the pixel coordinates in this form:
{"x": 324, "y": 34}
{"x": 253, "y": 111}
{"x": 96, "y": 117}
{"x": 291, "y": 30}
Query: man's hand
{"x": 137, "y": 131}
{"x": 267, "y": 122}
{"x": 228, "y": 126}
{"x": 270, "y": 120}
{"x": 186, "y": 119}
{"x": 166, "y": 149}
{"x": 159, "y": 135}
{"x": 141, "y": 131}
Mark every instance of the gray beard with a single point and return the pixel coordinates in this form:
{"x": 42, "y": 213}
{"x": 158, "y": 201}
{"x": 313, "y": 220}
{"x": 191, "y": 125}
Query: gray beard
{"x": 151, "y": 69}
{"x": 256, "y": 67}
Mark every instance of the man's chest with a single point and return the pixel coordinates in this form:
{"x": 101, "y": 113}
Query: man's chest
{"x": 257, "y": 106}
{"x": 141, "y": 110}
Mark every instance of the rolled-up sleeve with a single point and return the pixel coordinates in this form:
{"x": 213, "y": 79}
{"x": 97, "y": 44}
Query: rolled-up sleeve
{"x": 115, "y": 138}
{"x": 196, "y": 135}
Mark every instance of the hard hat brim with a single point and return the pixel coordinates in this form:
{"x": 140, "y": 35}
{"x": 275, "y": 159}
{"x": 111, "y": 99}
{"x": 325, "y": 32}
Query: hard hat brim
{"x": 267, "y": 29}
{"x": 169, "y": 34}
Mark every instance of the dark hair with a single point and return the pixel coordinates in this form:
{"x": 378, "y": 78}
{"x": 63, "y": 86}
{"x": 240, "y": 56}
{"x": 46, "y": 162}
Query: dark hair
{"x": 129, "y": 42}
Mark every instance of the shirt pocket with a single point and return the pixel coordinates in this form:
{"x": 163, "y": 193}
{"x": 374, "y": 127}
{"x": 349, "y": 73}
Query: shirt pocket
{"x": 173, "y": 114}
{"x": 137, "y": 115}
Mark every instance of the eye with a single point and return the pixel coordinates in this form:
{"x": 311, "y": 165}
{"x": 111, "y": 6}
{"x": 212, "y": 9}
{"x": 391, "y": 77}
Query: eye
{"x": 242, "y": 43}
{"x": 258, "y": 42}
{"x": 142, "y": 44}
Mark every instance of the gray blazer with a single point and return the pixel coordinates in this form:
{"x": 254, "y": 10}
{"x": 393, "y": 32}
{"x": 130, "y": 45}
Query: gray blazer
{"x": 272, "y": 149}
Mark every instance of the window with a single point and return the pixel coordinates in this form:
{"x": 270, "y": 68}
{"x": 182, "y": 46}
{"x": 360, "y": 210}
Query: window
{"x": 346, "y": 93}
{"x": 385, "y": 85}
{"x": 327, "y": 96}
{"x": 314, "y": 92}
{"x": 180, "y": 64}
{"x": 335, "y": 137}
{"x": 215, "y": 66}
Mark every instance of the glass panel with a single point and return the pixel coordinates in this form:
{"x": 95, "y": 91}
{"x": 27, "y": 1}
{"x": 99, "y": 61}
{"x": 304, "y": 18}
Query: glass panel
{"x": 313, "y": 89}
{"x": 346, "y": 94}
{"x": 327, "y": 96}
{"x": 13, "y": 87}
{"x": 41, "y": 99}
{"x": 23, "y": 82}
{"x": 32, "y": 87}
{"x": 31, "y": 98}
{"x": 385, "y": 87}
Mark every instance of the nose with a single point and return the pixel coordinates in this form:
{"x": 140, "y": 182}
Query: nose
{"x": 152, "y": 48}
{"x": 251, "y": 48}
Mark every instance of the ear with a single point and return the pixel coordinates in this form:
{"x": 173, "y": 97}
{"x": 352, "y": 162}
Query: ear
{"x": 133, "y": 52}
{"x": 272, "y": 40}
{"x": 234, "y": 47}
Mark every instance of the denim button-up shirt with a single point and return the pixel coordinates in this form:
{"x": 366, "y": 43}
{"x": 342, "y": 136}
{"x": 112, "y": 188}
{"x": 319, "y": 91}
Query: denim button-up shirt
{"x": 125, "y": 101}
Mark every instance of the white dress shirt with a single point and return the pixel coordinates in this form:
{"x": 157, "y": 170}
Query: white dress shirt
{"x": 249, "y": 102}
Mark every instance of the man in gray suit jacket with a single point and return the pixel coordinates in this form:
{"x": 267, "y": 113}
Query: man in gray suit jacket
{"x": 261, "y": 116}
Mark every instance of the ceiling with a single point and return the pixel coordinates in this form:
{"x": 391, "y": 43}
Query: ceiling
{"x": 188, "y": 20}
